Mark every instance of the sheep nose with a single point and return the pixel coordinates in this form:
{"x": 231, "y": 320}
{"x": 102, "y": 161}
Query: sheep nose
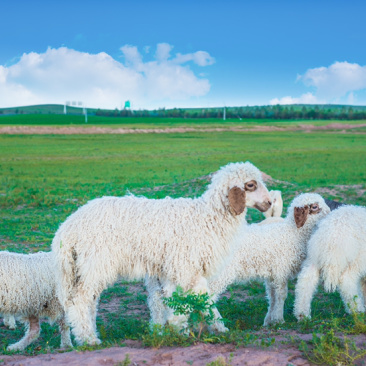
{"x": 269, "y": 202}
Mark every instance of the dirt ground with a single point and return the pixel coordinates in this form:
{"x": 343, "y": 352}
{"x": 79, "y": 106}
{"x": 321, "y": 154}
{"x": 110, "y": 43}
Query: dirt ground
{"x": 198, "y": 355}
{"x": 73, "y": 130}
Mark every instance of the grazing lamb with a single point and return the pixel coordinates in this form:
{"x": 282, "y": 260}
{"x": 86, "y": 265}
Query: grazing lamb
{"x": 27, "y": 290}
{"x": 273, "y": 253}
{"x": 180, "y": 241}
{"x": 336, "y": 253}
{"x": 158, "y": 311}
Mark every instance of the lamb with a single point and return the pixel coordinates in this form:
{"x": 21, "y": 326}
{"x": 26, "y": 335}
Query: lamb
{"x": 277, "y": 205}
{"x": 180, "y": 241}
{"x": 153, "y": 286}
{"x": 336, "y": 254}
{"x": 273, "y": 253}
{"x": 27, "y": 289}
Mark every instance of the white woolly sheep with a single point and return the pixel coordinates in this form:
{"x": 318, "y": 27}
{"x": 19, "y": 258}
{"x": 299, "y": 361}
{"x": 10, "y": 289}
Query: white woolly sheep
{"x": 158, "y": 311}
{"x": 180, "y": 241}
{"x": 273, "y": 253}
{"x": 277, "y": 205}
{"x": 336, "y": 254}
{"x": 27, "y": 290}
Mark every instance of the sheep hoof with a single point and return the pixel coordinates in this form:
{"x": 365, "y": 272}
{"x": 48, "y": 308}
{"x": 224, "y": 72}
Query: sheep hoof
{"x": 269, "y": 322}
{"x": 302, "y": 317}
{"x": 14, "y": 347}
{"x": 218, "y": 327}
{"x": 95, "y": 342}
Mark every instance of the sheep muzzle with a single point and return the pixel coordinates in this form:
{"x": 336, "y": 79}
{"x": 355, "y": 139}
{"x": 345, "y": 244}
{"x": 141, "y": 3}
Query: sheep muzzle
{"x": 263, "y": 207}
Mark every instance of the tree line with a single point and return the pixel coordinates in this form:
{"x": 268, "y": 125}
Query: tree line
{"x": 276, "y": 112}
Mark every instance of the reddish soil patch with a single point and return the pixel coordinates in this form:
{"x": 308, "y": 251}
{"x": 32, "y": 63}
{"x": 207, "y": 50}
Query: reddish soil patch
{"x": 198, "y": 355}
{"x": 72, "y": 130}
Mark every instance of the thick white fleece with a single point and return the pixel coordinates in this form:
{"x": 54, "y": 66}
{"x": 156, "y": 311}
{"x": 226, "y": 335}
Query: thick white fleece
{"x": 27, "y": 289}
{"x": 336, "y": 254}
{"x": 273, "y": 253}
{"x": 181, "y": 241}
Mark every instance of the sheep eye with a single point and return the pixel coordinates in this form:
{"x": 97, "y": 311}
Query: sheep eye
{"x": 314, "y": 207}
{"x": 251, "y": 186}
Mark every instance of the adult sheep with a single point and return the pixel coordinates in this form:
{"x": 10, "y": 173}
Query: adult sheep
{"x": 336, "y": 254}
{"x": 180, "y": 241}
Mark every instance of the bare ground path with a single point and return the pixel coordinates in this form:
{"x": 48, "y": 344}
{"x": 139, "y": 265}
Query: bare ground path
{"x": 88, "y": 130}
{"x": 198, "y": 355}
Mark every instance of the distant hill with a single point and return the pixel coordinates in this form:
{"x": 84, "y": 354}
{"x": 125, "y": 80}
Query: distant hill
{"x": 271, "y": 112}
{"x": 42, "y": 109}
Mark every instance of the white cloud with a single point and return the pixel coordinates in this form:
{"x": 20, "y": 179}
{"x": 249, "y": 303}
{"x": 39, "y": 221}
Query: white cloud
{"x": 163, "y": 52}
{"x": 99, "y": 80}
{"x": 307, "y": 98}
{"x": 201, "y": 58}
{"x": 336, "y": 80}
{"x": 333, "y": 84}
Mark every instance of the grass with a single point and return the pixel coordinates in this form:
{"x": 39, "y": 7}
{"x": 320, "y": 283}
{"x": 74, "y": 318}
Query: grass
{"x": 44, "y": 178}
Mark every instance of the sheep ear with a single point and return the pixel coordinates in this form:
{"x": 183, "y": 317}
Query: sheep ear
{"x": 237, "y": 200}
{"x": 300, "y": 215}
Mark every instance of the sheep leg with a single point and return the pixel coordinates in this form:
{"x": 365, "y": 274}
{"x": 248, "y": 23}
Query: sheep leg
{"x": 307, "y": 283}
{"x": 363, "y": 287}
{"x": 65, "y": 333}
{"x": 155, "y": 301}
{"x": 180, "y": 321}
{"x": 9, "y": 321}
{"x": 277, "y": 294}
{"x": 31, "y": 334}
{"x": 350, "y": 289}
{"x": 94, "y": 312}
{"x": 80, "y": 316}
{"x": 201, "y": 286}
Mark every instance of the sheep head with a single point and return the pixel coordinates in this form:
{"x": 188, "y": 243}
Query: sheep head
{"x": 240, "y": 185}
{"x": 307, "y": 209}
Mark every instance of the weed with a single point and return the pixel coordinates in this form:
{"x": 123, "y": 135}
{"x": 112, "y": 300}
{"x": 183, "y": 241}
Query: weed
{"x": 126, "y": 362}
{"x": 166, "y": 335}
{"x": 330, "y": 350}
{"x": 197, "y": 307}
{"x": 220, "y": 361}
{"x": 359, "y": 323}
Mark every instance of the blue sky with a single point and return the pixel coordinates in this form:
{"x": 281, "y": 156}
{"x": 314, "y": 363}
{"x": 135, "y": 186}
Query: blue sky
{"x": 182, "y": 54}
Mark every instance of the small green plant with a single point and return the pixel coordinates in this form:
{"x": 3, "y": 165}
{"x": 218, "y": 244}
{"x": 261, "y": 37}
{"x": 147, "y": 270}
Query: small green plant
{"x": 220, "y": 361}
{"x": 359, "y": 323}
{"x": 197, "y": 307}
{"x": 330, "y": 350}
{"x": 126, "y": 362}
{"x": 166, "y": 335}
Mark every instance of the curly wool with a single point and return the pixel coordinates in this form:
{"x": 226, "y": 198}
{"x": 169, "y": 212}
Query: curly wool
{"x": 155, "y": 303}
{"x": 336, "y": 254}
{"x": 272, "y": 252}
{"x": 180, "y": 241}
{"x": 27, "y": 289}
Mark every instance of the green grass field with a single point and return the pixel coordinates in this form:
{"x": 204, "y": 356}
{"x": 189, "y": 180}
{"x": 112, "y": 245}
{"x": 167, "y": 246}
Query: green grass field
{"x": 44, "y": 178}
